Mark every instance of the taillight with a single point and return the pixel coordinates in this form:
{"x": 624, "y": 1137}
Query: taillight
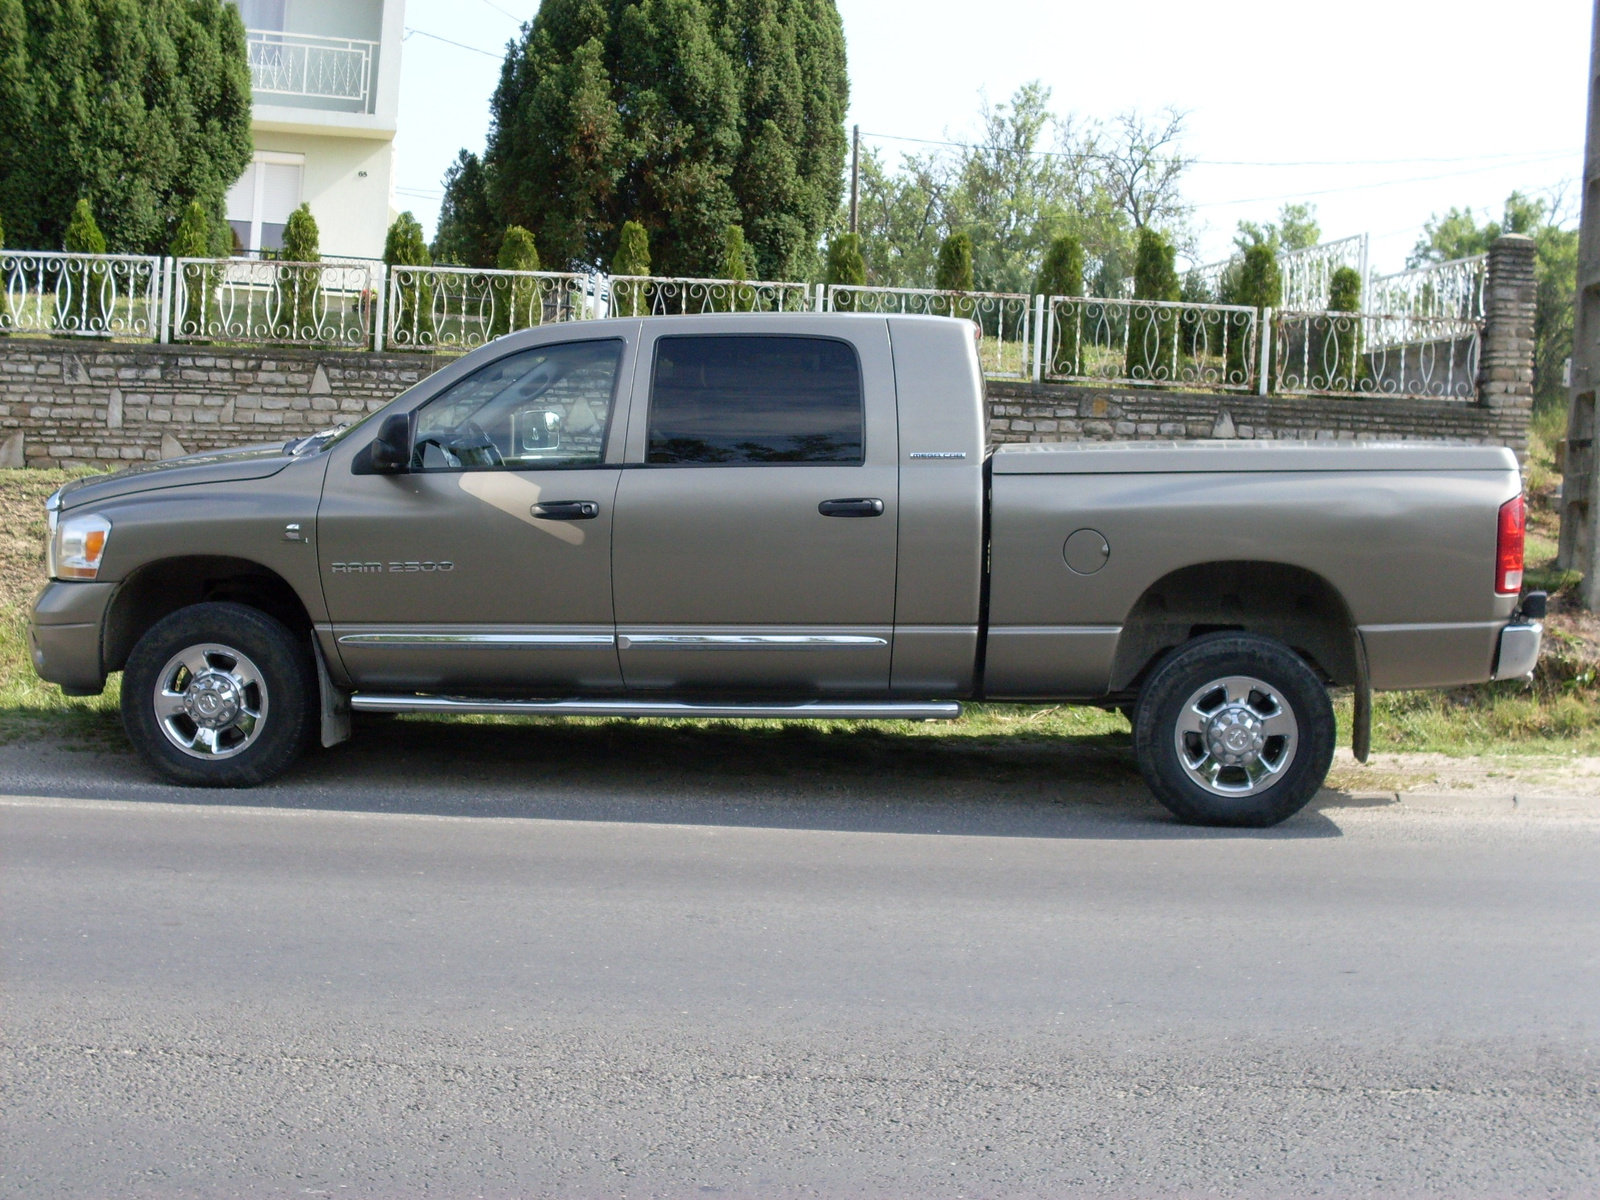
{"x": 1508, "y": 550}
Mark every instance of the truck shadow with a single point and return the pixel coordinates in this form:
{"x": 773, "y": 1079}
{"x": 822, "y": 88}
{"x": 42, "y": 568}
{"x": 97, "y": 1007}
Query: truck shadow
{"x": 857, "y": 778}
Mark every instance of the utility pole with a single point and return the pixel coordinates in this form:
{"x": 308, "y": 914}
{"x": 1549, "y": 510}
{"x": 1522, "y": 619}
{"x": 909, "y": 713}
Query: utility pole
{"x": 1580, "y": 514}
{"x": 855, "y": 175}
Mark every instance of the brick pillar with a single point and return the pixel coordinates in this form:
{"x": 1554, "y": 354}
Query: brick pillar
{"x": 1505, "y": 367}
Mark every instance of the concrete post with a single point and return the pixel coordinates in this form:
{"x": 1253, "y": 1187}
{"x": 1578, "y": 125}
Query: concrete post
{"x": 1581, "y": 471}
{"x": 1505, "y": 363}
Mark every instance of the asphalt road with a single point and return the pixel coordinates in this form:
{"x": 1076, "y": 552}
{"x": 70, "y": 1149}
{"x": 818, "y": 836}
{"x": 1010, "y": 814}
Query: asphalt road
{"x": 475, "y": 963}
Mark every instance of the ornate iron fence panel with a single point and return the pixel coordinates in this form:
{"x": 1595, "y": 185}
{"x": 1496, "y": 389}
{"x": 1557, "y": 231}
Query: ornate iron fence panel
{"x": 310, "y": 67}
{"x": 80, "y": 295}
{"x": 1451, "y": 289}
{"x": 1307, "y": 273}
{"x": 328, "y": 303}
{"x": 1006, "y": 320}
{"x": 655, "y": 296}
{"x": 1096, "y": 340}
{"x": 1357, "y": 354}
{"x": 457, "y": 308}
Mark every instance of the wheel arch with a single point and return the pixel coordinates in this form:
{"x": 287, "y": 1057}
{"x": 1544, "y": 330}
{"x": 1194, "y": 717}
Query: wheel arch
{"x": 1279, "y": 600}
{"x": 161, "y": 588}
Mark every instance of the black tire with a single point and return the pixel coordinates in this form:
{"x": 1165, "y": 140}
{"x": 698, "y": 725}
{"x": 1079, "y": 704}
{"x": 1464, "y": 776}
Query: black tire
{"x": 1280, "y": 764}
{"x": 255, "y": 692}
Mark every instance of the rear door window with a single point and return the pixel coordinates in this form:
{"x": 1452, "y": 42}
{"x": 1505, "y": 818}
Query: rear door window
{"x": 756, "y": 400}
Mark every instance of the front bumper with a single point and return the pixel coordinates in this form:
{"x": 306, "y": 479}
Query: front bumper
{"x": 64, "y": 635}
{"x": 1519, "y": 650}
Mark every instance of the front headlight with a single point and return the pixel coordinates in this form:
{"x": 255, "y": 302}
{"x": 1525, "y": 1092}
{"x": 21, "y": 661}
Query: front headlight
{"x": 77, "y": 544}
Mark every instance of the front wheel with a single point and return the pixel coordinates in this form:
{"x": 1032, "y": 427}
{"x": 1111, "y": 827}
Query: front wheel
{"x": 219, "y": 695}
{"x": 1234, "y": 729}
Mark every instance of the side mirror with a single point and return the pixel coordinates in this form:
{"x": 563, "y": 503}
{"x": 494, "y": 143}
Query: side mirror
{"x": 391, "y": 452}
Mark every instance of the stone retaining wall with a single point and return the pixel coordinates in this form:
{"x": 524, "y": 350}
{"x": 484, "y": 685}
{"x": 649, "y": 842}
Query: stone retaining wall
{"x": 66, "y": 403}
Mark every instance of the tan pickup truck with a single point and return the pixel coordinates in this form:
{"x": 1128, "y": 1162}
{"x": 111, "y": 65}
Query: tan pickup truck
{"x": 757, "y": 515}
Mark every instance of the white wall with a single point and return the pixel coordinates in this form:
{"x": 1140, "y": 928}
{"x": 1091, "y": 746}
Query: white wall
{"x": 353, "y": 211}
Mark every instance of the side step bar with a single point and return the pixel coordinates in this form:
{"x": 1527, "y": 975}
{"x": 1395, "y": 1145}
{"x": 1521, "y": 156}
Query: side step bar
{"x": 812, "y": 710}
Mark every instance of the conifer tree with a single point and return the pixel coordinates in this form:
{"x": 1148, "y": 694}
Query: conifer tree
{"x": 403, "y": 247}
{"x": 1341, "y": 342}
{"x": 299, "y": 310}
{"x": 1153, "y": 330}
{"x": 195, "y": 233}
{"x": 518, "y": 302}
{"x": 83, "y": 302}
{"x": 681, "y": 114}
{"x": 846, "y": 268}
{"x": 1061, "y": 274}
{"x": 738, "y": 265}
{"x": 467, "y": 234}
{"x": 632, "y": 259}
{"x": 138, "y": 108}
{"x": 196, "y": 237}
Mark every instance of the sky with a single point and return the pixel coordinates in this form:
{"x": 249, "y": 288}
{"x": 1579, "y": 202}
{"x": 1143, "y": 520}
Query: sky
{"x": 1379, "y": 113}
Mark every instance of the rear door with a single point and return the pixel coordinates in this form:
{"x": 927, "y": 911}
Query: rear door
{"x": 756, "y": 523}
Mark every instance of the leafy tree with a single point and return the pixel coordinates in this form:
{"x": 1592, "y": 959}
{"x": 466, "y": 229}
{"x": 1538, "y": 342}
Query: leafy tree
{"x": 1295, "y": 229}
{"x": 1153, "y": 330}
{"x": 515, "y": 298}
{"x": 467, "y": 234}
{"x": 299, "y": 288}
{"x": 686, "y": 115}
{"x": 139, "y": 108}
{"x": 846, "y": 268}
{"x": 1062, "y": 275}
{"x": 403, "y": 246}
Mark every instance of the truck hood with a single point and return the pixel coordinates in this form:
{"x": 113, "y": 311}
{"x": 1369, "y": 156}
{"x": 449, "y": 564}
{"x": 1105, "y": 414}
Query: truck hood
{"x": 219, "y": 466}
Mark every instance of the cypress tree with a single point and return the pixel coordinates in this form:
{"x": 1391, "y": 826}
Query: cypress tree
{"x": 846, "y": 268}
{"x": 1341, "y": 343}
{"x": 738, "y": 264}
{"x": 686, "y": 115}
{"x": 83, "y": 303}
{"x": 194, "y": 235}
{"x": 467, "y": 234}
{"x": 632, "y": 258}
{"x": 1255, "y": 281}
{"x": 1152, "y": 330}
{"x": 954, "y": 274}
{"x": 516, "y": 298}
{"x": 138, "y": 108}
{"x": 299, "y": 308}
{"x": 403, "y": 247}
{"x": 1061, "y": 274}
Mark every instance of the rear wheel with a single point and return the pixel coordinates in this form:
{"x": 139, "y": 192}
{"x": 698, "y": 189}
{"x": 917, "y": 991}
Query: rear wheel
{"x": 1234, "y": 729}
{"x": 219, "y": 695}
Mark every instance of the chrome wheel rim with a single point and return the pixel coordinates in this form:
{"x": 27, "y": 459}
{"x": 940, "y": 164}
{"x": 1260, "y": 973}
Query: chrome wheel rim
{"x": 211, "y": 701}
{"x": 1236, "y": 736}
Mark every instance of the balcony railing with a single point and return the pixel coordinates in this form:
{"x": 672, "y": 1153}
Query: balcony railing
{"x": 311, "y": 68}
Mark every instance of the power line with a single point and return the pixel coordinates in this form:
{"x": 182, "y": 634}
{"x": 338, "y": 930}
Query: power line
{"x": 503, "y": 12}
{"x": 1360, "y": 187}
{"x": 1225, "y": 162}
{"x": 458, "y": 45}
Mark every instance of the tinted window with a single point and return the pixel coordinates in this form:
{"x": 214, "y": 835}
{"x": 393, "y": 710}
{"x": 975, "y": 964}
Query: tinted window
{"x": 545, "y": 407}
{"x": 755, "y": 400}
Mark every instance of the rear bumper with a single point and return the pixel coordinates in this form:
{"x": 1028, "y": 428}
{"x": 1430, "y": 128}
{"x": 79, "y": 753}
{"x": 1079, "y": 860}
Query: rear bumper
{"x": 64, "y": 635}
{"x": 1519, "y": 650}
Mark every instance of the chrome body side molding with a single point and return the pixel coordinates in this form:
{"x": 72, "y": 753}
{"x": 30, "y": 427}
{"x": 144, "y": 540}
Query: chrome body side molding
{"x": 813, "y": 710}
{"x": 410, "y": 640}
{"x": 747, "y": 641}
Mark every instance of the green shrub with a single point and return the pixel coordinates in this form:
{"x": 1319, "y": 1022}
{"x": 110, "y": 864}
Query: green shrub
{"x": 846, "y": 268}
{"x": 633, "y": 258}
{"x": 1254, "y": 281}
{"x": 195, "y": 237}
{"x": 404, "y": 246}
{"x": 1340, "y": 341}
{"x": 1153, "y": 331}
{"x": 738, "y": 265}
{"x": 299, "y": 307}
{"x": 516, "y": 298}
{"x": 954, "y": 273}
{"x": 83, "y": 298}
{"x": 1061, "y": 274}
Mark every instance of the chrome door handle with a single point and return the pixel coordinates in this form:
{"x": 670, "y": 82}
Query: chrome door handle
{"x": 566, "y": 510}
{"x": 861, "y": 506}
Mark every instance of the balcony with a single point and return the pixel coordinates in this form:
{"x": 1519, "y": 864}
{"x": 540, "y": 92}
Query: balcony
{"x": 302, "y": 71}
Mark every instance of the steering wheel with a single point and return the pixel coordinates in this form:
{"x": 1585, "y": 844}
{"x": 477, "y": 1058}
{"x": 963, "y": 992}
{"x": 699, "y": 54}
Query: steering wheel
{"x": 474, "y": 447}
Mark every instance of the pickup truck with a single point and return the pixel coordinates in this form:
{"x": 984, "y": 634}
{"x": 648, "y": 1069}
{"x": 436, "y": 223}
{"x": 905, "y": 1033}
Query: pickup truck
{"x": 761, "y": 515}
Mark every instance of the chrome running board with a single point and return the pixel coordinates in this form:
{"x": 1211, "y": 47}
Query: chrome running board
{"x": 811, "y": 710}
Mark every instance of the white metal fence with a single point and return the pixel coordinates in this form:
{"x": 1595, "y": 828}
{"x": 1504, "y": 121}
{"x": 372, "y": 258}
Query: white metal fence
{"x": 1151, "y": 341}
{"x": 311, "y": 68}
{"x": 458, "y": 308}
{"x": 1426, "y": 345}
{"x": 80, "y": 295}
{"x": 1307, "y": 273}
{"x": 1008, "y": 322}
{"x": 329, "y": 303}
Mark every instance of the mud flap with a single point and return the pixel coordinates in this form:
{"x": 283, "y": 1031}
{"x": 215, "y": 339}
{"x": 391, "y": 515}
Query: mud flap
{"x": 335, "y": 703}
{"x": 1361, "y": 724}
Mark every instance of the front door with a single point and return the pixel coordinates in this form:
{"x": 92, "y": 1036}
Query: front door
{"x": 755, "y": 535}
{"x": 488, "y": 565}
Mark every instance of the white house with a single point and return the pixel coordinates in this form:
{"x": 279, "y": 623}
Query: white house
{"x": 327, "y": 91}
